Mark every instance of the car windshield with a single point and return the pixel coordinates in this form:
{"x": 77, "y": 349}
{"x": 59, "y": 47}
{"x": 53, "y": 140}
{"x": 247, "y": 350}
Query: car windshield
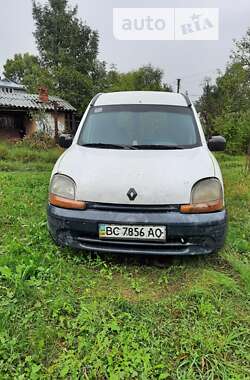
{"x": 140, "y": 127}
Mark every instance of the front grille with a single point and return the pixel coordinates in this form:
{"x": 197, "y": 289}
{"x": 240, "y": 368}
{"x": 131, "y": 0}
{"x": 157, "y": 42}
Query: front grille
{"x": 132, "y": 208}
{"x": 137, "y": 247}
{"x": 170, "y": 242}
{"x": 180, "y": 245}
{"x": 177, "y": 244}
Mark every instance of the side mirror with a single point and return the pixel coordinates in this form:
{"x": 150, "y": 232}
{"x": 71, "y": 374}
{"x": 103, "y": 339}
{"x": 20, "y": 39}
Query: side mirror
{"x": 216, "y": 144}
{"x": 65, "y": 141}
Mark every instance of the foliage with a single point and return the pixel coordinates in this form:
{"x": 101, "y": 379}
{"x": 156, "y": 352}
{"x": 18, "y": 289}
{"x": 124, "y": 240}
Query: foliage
{"x": 27, "y": 69}
{"x": 71, "y": 315}
{"x": 224, "y": 106}
{"x": 241, "y": 51}
{"x": 145, "y": 78}
{"x": 68, "y": 64}
{"x": 62, "y": 39}
{"x": 3, "y": 152}
{"x": 68, "y": 49}
{"x": 235, "y": 127}
{"x": 38, "y": 140}
{"x": 75, "y": 87}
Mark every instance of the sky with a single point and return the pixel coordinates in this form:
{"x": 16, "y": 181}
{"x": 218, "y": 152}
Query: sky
{"x": 191, "y": 61}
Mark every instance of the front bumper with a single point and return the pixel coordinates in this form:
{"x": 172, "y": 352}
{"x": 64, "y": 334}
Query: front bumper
{"x": 187, "y": 234}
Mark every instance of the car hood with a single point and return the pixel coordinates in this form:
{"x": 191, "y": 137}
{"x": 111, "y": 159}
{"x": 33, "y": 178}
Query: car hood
{"x": 158, "y": 176}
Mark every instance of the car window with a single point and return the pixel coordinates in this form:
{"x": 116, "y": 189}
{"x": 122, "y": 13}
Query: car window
{"x": 140, "y": 125}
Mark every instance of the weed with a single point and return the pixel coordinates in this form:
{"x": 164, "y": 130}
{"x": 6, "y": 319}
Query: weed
{"x": 72, "y": 315}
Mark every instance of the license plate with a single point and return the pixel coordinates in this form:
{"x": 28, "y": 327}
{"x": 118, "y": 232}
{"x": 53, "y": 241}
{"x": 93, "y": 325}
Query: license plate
{"x": 131, "y": 232}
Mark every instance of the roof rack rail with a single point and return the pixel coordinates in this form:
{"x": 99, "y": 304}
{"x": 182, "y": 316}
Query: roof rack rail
{"x": 189, "y": 103}
{"x": 92, "y": 103}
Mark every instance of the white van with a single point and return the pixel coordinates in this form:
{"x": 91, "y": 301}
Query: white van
{"x": 138, "y": 177}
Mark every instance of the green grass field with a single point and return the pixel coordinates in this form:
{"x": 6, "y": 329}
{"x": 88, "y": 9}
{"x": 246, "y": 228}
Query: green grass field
{"x": 69, "y": 315}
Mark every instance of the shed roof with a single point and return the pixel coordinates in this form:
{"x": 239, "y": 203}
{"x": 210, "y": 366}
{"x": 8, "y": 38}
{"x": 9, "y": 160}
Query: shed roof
{"x": 22, "y": 100}
{"x": 7, "y": 83}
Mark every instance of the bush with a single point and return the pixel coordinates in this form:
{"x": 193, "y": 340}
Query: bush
{"x": 3, "y": 152}
{"x": 235, "y": 127}
{"x": 38, "y": 140}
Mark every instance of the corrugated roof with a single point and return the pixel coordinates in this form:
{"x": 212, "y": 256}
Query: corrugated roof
{"x": 6, "y": 83}
{"x": 22, "y": 100}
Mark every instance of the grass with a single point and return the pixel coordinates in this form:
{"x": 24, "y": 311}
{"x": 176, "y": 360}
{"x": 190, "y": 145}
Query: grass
{"x": 22, "y": 158}
{"x": 71, "y": 315}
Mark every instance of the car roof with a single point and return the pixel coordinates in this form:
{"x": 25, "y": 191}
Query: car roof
{"x": 141, "y": 97}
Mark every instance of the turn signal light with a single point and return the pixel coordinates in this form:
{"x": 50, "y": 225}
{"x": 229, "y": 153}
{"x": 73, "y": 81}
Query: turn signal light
{"x": 199, "y": 208}
{"x": 55, "y": 200}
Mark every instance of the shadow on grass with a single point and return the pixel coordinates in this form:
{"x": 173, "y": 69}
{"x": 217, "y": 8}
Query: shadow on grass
{"x": 159, "y": 261}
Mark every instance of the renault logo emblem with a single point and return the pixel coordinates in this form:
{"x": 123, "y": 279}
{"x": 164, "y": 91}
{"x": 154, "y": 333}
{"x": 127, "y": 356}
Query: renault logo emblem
{"x": 132, "y": 194}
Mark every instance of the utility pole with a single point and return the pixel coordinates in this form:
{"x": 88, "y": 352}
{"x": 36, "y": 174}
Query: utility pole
{"x": 178, "y": 85}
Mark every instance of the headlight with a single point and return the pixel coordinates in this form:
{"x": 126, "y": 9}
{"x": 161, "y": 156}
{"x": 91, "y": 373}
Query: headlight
{"x": 63, "y": 186}
{"x": 207, "y": 190}
{"x": 206, "y": 196}
{"x": 62, "y": 193}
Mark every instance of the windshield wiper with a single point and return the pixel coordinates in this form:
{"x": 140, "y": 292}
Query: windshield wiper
{"x": 163, "y": 147}
{"x": 108, "y": 146}
{"x": 122, "y": 146}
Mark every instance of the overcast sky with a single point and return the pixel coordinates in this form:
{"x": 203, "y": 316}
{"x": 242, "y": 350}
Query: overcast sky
{"x": 189, "y": 60}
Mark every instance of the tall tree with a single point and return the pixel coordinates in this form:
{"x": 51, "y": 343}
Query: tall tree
{"x": 145, "y": 78}
{"x": 149, "y": 78}
{"x": 241, "y": 53}
{"x": 226, "y": 104}
{"x": 207, "y": 105}
{"x": 68, "y": 64}
{"x": 62, "y": 38}
{"x": 241, "y": 50}
{"x": 27, "y": 70}
{"x": 68, "y": 50}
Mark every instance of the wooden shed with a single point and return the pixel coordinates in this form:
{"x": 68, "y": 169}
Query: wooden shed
{"x": 22, "y": 113}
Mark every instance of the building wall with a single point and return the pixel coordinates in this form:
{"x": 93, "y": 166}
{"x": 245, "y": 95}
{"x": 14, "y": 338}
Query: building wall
{"x": 11, "y": 122}
{"x": 8, "y": 126}
{"x": 47, "y": 124}
{"x": 9, "y": 134}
